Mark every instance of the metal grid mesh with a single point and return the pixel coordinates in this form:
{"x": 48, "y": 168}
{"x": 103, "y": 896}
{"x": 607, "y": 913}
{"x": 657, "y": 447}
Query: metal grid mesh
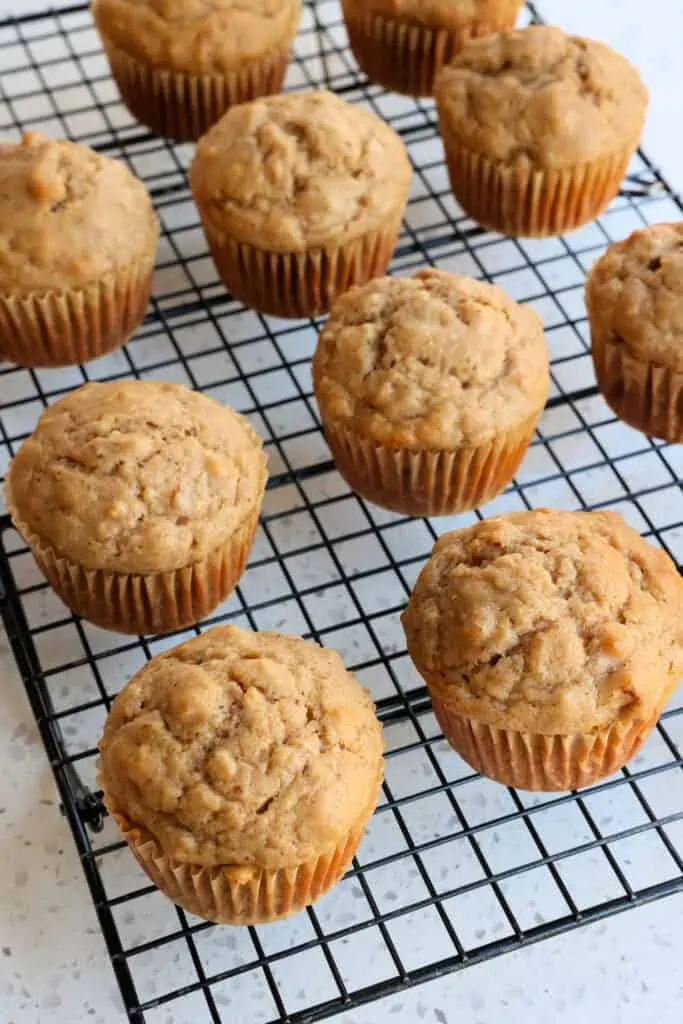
{"x": 454, "y": 869}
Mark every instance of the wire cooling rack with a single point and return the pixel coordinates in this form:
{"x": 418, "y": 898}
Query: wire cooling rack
{"x": 454, "y": 869}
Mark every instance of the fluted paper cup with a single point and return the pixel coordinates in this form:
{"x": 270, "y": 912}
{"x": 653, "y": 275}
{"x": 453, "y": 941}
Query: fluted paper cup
{"x": 144, "y": 603}
{"x": 536, "y": 762}
{"x": 643, "y": 394}
{"x": 429, "y": 482}
{"x": 407, "y": 57}
{"x": 61, "y": 328}
{"x": 522, "y": 200}
{"x": 182, "y": 106}
{"x": 299, "y": 284}
{"x": 241, "y": 894}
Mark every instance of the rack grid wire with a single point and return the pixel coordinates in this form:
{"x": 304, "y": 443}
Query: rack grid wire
{"x": 454, "y": 869}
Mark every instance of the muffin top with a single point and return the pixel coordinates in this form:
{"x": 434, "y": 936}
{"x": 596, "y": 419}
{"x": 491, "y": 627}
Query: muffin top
{"x": 68, "y": 216}
{"x": 136, "y": 476}
{"x": 449, "y": 14}
{"x": 299, "y": 171}
{"x": 197, "y": 36}
{"x": 243, "y": 748}
{"x": 431, "y": 361}
{"x": 635, "y": 294}
{"x": 549, "y": 622}
{"x": 538, "y": 96}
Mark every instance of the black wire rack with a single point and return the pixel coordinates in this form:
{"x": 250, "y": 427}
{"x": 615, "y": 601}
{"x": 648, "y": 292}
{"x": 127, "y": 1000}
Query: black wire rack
{"x": 454, "y": 869}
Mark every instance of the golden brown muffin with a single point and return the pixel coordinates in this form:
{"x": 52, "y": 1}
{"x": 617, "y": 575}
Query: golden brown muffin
{"x": 78, "y": 238}
{"x": 180, "y": 64}
{"x": 139, "y": 500}
{"x": 634, "y": 296}
{"x": 539, "y": 128}
{"x": 301, "y": 196}
{"x": 429, "y": 389}
{"x": 242, "y": 769}
{"x": 403, "y": 44}
{"x": 550, "y": 642}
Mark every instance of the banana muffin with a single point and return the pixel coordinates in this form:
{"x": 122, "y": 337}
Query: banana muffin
{"x": 403, "y": 44}
{"x": 429, "y": 389}
{"x": 550, "y": 642}
{"x": 139, "y": 501}
{"x": 634, "y": 296}
{"x": 78, "y": 240}
{"x": 180, "y": 64}
{"x": 301, "y": 196}
{"x": 539, "y": 128}
{"x": 242, "y": 769}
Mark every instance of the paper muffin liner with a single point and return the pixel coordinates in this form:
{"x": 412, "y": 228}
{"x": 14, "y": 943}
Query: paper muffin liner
{"x": 407, "y": 57}
{"x": 61, "y": 328}
{"x": 532, "y": 761}
{"x": 299, "y": 284}
{"x": 241, "y": 895}
{"x": 182, "y": 106}
{"x": 144, "y": 603}
{"x": 429, "y": 482}
{"x": 532, "y": 202}
{"x": 645, "y": 395}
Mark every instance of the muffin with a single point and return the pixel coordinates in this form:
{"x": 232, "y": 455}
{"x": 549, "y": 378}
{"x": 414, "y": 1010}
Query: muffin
{"x": 139, "y": 501}
{"x": 634, "y": 296}
{"x": 550, "y": 643}
{"x": 301, "y": 196}
{"x": 403, "y": 44}
{"x": 78, "y": 239}
{"x": 180, "y": 64}
{"x": 539, "y": 128}
{"x": 242, "y": 769}
{"x": 429, "y": 389}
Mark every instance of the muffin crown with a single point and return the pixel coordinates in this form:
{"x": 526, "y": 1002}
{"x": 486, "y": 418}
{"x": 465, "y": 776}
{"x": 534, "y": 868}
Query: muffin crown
{"x": 197, "y": 36}
{"x": 549, "y": 622}
{"x": 136, "y": 476}
{"x": 300, "y": 171}
{"x": 68, "y": 216}
{"x": 538, "y": 96}
{"x": 634, "y": 294}
{"x": 432, "y": 361}
{"x": 243, "y": 748}
{"x": 437, "y": 13}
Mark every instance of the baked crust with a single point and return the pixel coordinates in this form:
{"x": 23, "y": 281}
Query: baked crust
{"x": 137, "y": 476}
{"x": 634, "y": 294}
{"x": 540, "y": 97}
{"x": 432, "y": 361}
{"x": 69, "y": 217}
{"x": 300, "y": 171}
{"x": 549, "y": 622}
{"x": 197, "y": 36}
{"x": 241, "y": 748}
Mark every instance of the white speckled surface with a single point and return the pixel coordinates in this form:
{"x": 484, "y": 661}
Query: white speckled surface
{"x": 53, "y": 966}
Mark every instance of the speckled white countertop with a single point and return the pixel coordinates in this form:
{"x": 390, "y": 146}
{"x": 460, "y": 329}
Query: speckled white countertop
{"x": 626, "y": 970}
